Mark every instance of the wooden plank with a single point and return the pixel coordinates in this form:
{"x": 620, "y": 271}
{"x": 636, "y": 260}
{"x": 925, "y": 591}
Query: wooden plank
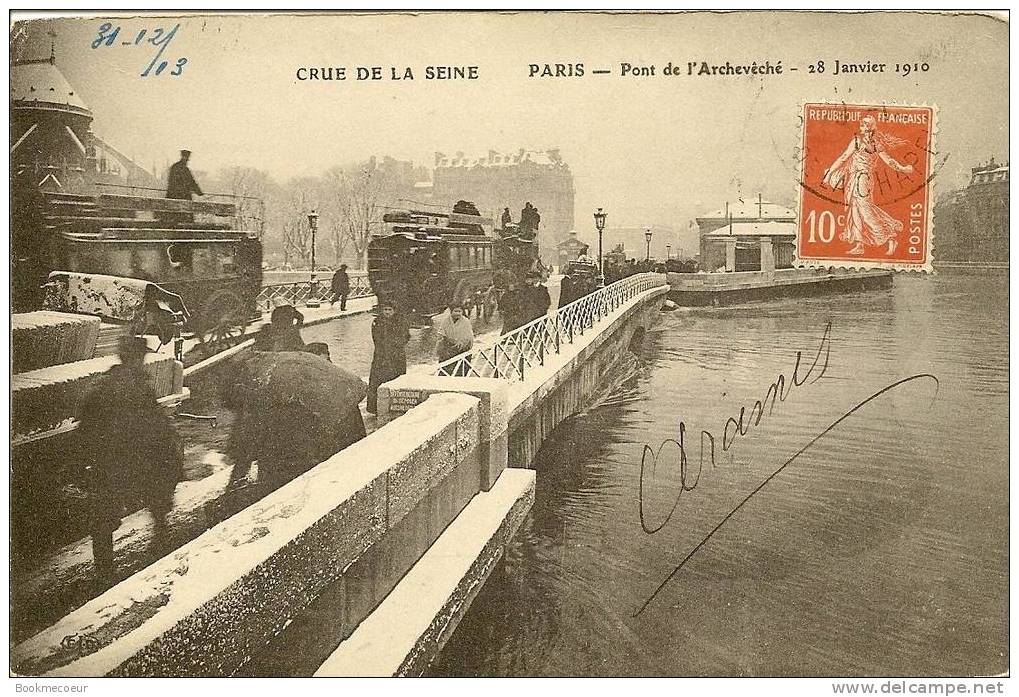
{"x": 144, "y": 203}
{"x": 451, "y": 217}
{"x": 182, "y": 234}
{"x": 117, "y": 222}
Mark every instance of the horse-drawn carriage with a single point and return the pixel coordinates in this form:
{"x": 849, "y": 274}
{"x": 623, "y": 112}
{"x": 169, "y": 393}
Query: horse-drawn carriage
{"x": 160, "y": 265}
{"x": 425, "y": 261}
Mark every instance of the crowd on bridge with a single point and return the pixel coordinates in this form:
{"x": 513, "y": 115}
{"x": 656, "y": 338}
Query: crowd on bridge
{"x": 293, "y": 407}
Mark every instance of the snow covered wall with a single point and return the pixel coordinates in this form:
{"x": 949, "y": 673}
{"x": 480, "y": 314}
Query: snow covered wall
{"x": 346, "y": 531}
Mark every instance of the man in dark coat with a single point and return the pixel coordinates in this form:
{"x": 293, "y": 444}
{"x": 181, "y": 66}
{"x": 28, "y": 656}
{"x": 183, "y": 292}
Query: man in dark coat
{"x": 536, "y": 299}
{"x": 526, "y": 222}
{"x": 506, "y": 218}
{"x": 341, "y": 287}
{"x": 293, "y": 411}
{"x": 389, "y": 361}
{"x": 567, "y": 291}
{"x": 511, "y": 307}
{"x": 180, "y": 183}
{"x": 131, "y": 452}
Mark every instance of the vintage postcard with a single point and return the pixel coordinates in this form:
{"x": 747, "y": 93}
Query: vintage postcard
{"x": 510, "y": 343}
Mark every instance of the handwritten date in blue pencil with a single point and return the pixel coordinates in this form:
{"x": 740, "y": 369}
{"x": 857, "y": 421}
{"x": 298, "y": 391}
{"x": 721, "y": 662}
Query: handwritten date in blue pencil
{"x": 110, "y": 36}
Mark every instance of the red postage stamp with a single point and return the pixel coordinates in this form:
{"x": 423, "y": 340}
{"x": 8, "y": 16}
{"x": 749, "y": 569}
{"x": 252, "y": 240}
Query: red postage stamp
{"x": 865, "y": 176}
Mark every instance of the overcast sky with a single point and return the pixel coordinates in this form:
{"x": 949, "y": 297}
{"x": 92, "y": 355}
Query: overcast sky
{"x": 652, "y": 150}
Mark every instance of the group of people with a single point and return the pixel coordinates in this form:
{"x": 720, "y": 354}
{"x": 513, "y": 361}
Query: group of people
{"x": 390, "y": 334}
{"x": 530, "y": 219}
{"x": 520, "y": 304}
{"x": 615, "y": 271}
{"x": 575, "y": 285}
{"x": 132, "y": 453}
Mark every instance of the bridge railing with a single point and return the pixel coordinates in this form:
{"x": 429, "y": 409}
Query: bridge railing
{"x": 300, "y": 292}
{"x": 525, "y": 348}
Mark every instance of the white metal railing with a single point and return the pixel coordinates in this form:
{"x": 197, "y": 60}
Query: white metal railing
{"x": 525, "y": 348}
{"x": 300, "y": 292}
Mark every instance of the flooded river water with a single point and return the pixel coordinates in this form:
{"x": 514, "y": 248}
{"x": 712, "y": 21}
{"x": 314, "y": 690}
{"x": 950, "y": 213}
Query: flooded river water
{"x": 882, "y": 549}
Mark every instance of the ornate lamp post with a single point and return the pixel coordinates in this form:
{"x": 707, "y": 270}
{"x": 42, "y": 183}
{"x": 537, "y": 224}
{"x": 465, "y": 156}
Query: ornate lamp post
{"x": 647, "y": 238}
{"x": 668, "y": 252}
{"x": 599, "y": 222}
{"x": 313, "y": 294}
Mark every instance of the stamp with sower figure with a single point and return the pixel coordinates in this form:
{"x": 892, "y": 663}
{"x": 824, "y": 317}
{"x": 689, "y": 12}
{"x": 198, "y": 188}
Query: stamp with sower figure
{"x": 865, "y": 179}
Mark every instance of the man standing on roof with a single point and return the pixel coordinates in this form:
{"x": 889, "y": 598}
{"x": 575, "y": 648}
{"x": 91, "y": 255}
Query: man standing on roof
{"x": 180, "y": 183}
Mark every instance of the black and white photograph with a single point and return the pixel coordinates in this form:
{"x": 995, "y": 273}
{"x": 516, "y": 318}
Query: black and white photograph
{"x": 499, "y": 344}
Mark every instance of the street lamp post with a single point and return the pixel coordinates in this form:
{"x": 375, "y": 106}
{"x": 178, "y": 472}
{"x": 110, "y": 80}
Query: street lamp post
{"x": 668, "y": 252}
{"x": 313, "y": 295}
{"x": 647, "y": 237}
{"x": 599, "y": 222}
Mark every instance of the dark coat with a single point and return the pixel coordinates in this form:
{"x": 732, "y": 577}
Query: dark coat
{"x": 180, "y": 183}
{"x": 511, "y": 308}
{"x": 341, "y": 283}
{"x": 535, "y": 303}
{"x": 129, "y": 446}
{"x": 389, "y": 360}
{"x": 567, "y": 291}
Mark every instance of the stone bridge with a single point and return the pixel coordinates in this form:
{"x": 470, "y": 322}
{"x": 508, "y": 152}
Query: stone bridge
{"x": 365, "y": 564}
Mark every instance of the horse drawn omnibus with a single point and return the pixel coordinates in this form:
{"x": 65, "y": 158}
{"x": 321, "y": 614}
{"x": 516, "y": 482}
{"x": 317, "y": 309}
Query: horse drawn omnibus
{"x": 160, "y": 265}
{"x": 425, "y": 261}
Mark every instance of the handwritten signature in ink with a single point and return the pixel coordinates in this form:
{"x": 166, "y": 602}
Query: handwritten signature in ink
{"x": 159, "y": 37}
{"x": 739, "y": 426}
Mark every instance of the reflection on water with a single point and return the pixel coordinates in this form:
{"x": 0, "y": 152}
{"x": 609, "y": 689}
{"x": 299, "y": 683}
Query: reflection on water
{"x": 881, "y": 550}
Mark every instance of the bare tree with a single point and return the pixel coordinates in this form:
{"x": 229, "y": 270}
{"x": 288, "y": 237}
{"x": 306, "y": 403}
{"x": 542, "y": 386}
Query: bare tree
{"x": 368, "y": 189}
{"x": 291, "y": 219}
{"x": 250, "y": 187}
{"x": 333, "y": 198}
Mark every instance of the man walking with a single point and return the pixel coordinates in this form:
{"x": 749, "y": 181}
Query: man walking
{"x": 131, "y": 453}
{"x": 511, "y": 307}
{"x": 341, "y": 287}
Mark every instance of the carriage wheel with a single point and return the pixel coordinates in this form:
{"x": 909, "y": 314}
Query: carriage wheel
{"x": 222, "y": 321}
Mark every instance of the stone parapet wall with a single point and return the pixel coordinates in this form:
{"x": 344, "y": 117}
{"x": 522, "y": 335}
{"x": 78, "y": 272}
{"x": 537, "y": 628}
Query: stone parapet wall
{"x": 350, "y": 527}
